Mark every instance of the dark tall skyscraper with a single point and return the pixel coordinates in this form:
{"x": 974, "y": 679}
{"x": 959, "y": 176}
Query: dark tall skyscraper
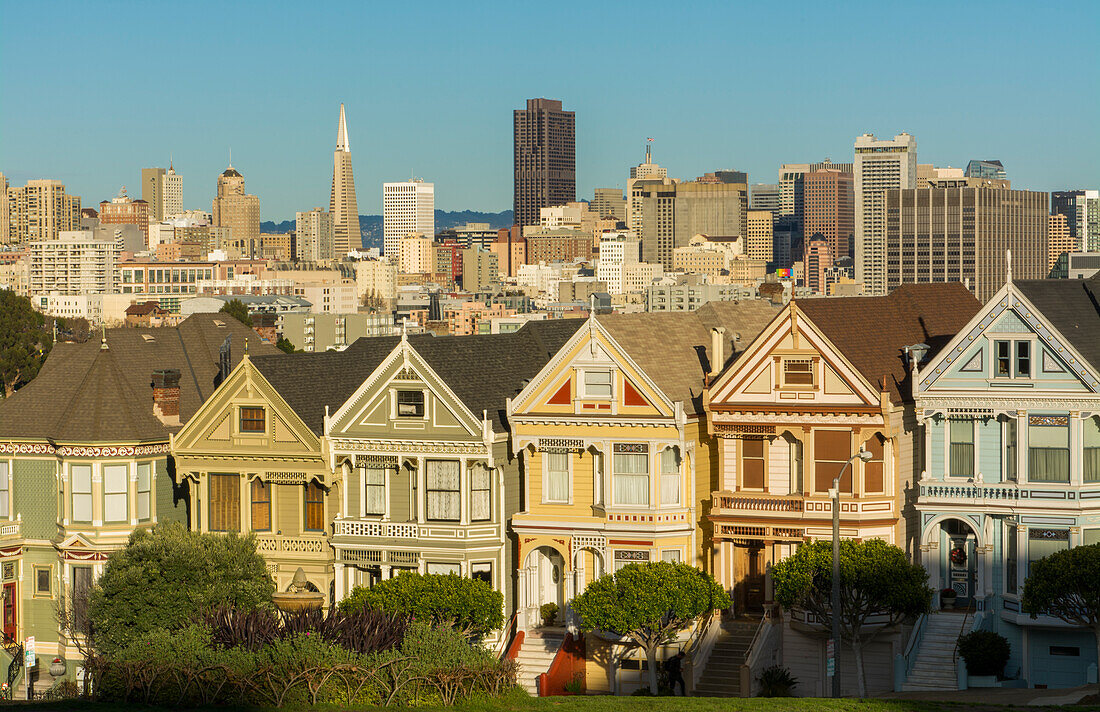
{"x": 545, "y": 158}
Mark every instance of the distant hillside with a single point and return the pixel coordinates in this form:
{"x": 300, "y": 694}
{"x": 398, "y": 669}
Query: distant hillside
{"x": 371, "y": 225}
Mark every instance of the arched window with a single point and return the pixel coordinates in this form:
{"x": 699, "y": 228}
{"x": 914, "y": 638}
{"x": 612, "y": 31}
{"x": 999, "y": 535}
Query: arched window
{"x": 670, "y": 476}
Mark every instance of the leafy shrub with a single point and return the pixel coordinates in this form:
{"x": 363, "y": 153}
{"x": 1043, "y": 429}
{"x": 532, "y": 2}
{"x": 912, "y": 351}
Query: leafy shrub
{"x": 470, "y": 605}
{"x": 777, "y": 681}
{"x": 985, "y": 652}
{"x": 362, "y": 631}
{"x": 164, "y": 575}
{"x": 548, "y": 612}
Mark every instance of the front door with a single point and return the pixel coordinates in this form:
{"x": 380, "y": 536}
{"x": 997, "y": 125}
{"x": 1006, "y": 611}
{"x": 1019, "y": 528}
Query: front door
{"x": 11, "y": 628}
{"x": 748, "y": 587}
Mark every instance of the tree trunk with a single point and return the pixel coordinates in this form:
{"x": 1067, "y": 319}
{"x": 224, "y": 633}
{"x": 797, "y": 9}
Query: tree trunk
{"x": 857, "y": 653}
{"x": 651, "y": 658}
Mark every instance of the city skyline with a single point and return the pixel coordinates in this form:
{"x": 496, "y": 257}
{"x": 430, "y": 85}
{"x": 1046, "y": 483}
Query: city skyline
{"x": 1014, "y": 111}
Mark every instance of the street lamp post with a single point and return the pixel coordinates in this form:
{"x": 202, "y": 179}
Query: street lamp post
{"x": 834, "y": 494}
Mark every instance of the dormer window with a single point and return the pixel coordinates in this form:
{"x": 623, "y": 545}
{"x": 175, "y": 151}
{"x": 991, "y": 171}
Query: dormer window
{"x": 798, "y": 372}
{"x": 410, "y": 404}
{"x": 597, "y": 384}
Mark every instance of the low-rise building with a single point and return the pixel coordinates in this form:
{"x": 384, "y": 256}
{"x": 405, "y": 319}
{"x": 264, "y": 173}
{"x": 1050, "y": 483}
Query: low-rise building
{"x": 322, "y": 332}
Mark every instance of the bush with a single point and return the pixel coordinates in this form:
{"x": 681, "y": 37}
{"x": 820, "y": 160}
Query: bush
{"x": 166, "y": 574}
{"x": 777, "y": 681}
{"x": 548, "y": 612}
{"x": 362, "y": 631}
{"x": 187, "y": 667}
{"x": 469, "y": 605}
{"x": 985, "y": 652}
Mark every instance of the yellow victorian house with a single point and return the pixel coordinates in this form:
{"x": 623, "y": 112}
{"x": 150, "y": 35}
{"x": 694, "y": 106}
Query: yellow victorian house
{"x": 616, "y": 460}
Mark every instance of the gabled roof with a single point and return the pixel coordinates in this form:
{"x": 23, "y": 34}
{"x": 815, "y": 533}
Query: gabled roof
{"x": 483, "y": 370}
{"x": 674, "y": 349}
{"x": 871, "y": 331}
{"x": 87, "y": 394}
{"x": 1072, "y": 306}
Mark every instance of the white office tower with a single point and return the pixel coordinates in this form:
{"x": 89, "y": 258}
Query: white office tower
{"x": 879, "y": 166}
{"x": 407, "y": 209}
{"x": 643, "y": 171}
{"x": 618, "y": 250}
{"x": 172, "y": 196}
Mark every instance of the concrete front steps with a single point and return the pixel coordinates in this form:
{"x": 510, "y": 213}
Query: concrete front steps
{"x": 934, "y": 668}
{"x": 722, "y": 676}
{"x": 535, "y": 655}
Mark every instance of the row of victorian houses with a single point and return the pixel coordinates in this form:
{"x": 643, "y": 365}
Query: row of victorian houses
{"x": 542, "y": 459}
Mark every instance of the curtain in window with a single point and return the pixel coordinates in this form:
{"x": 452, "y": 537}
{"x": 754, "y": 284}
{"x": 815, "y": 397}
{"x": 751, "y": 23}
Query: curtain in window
{"x": 1048, "y": 453}
{"x": 144, "y": 490}
{"x": 832, "y": 448}
{"x": 480, "y": 493}
{"x": 374, "y": 483}
{"x": 261, "y": 505}
{"x": 82, "y": 492}
{"x": 114, "y": 492}
{"x": 557, "y": 476}
{"x": 1091, "y": 440}
{"x": 443, "y": 490}
{"x": 670, "y": 476}
{"x": 1010, "y": 437}
{"x": 631, "y": 479}
{"x": 315, "y": 507}
{"x": 5, "y": 491}
{"x": 225, "y": 503}
{"x": 961, "y": 462}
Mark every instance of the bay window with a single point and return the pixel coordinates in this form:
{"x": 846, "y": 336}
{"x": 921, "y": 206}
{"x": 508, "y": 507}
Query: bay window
{"x": 874, "y": 479}
{"x": 480, "y": 493}
{"x": 1011, "y": 437}
{"x": 443, "y": 490}
{"x": 557, "y": 476}
{"x": 670, "y": 477}
{"x": 832, "y": 448}
{"x": 225, "y": 502}
{"x": 752, "y": 463}
{"x": 1090, "y": 438}
{"x": 374, "y": 487}
{"x": 1048, "y": 448}
{"x": 144, "y": 491}
{"x": 630, "y": 479}
{"x": 314, "y": 507}
{"x": 81, "y": 476}
{"x": 5, "y": 491}
{"x": 961, "y": 448}
{"x": 114, "y": 492}
{"x": 261, "y": 505}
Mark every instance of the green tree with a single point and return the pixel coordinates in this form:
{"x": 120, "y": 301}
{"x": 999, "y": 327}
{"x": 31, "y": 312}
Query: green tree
{"x": 470, "y": 605}
{"x": 165, "y": 576}
{"x": 648, "y": 604}
{"x": 25, "y": 340}
{"x": 284, "y": 345}
{"x": 879, "y": 588}
{"x": 237, "y": 309}
{"x": 1066, "y": 585}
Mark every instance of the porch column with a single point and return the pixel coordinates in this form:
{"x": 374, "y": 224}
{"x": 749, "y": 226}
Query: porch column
{"x": 339, "y": 584}
{"x": 522, "y": 603}
{"x": 384, "y": 571}
{"x": 930, "y": 555}
{"x": 983, "y": 573}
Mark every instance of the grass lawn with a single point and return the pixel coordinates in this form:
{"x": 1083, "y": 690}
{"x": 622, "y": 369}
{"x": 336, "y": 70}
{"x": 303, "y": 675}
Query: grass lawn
{"x": 520, "y": 703}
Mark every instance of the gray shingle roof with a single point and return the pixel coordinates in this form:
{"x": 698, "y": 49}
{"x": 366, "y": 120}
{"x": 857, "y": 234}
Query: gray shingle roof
{"x": 1072, "y": 306}
{"x": 674, "y": 349}
{"x": 483, "y": 371}
{"x": 85, "y": 394}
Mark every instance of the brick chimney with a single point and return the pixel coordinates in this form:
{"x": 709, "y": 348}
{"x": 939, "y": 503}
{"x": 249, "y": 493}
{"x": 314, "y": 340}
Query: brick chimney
{"x": 166, "y": 395}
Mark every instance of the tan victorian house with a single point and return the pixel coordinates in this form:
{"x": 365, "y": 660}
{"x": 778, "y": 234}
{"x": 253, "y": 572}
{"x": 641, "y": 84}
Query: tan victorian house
{"x": 826, "y": 379}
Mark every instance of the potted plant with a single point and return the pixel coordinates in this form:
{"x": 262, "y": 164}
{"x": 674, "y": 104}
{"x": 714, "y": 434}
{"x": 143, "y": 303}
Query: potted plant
{"x": 548, "y": 612}
{"x": 986, "y": 653}
{"x": 947, "y": 598}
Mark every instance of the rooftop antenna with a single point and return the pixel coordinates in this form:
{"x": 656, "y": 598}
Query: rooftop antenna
{"x": 230, "y": 156}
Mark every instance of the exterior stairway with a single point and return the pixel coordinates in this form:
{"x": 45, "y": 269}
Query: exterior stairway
{"x": 722, "y": 676}
{"x": 535, "y": 655}
{"x": 934, "y": 668}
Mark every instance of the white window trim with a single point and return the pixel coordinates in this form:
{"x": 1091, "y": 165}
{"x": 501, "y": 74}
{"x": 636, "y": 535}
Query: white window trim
{"x": 947, "y": 476}
{"x": 546, "y": 478}
{"x": 679, "y": 503}
{"x": 1013, "y": 339}
{"x": 584, "y": 383}
{"x": 649, "y": 475}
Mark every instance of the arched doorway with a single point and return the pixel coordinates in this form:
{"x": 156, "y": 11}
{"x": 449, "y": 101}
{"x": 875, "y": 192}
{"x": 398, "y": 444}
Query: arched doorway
{"x": 545, "y": 573}
{"x": 958, "y": 565}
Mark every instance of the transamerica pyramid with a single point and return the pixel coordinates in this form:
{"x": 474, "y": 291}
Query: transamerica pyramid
{"x": 342, "y": 204}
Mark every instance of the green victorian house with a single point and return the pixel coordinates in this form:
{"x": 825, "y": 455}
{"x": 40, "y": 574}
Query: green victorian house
{"x": 84, "y": 461}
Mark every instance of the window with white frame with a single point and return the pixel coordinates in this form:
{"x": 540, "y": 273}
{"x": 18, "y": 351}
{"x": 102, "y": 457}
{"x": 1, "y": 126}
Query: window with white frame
{"x": 374, "y": 487}
{"x": 672, "y": 556}
{"x": 81, "y": 477}
{"x": 557, "y": 476}
{"x": 443, "y": 490}
{"x": 1048, "y": 448}
{"x": 144, "y": 490}
{"x": 625, "y": 557}
{"x": 1044, "y": 542}
{"x": 1011, "y": 438}
{"x": 481, "y": 509}
{"x": 114, "y": 492}
{"x": 1012, "y": 359}
{"x": 597, "y": 478}
{"x": 670, "y": 477}
{"x": 798, "y": 372}
{"x": 443, "y": 568}
{"x": 630, "y": 477}
{"x": 597, "y": 384}
{"x": 482, "y": 571}
{"x": 1090, "y": 438}
{"x": 960, "y": 448}
{"x": 5, "y": 490}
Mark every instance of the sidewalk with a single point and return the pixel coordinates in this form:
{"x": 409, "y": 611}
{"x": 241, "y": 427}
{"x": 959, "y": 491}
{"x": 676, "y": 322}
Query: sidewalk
{"x": 1003, "y": 696}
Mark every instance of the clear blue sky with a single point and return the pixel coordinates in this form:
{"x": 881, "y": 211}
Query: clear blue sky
{"x": 90, "y": 92}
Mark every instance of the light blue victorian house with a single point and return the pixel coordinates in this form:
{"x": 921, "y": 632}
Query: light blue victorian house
{"x": 1011, "y": 409}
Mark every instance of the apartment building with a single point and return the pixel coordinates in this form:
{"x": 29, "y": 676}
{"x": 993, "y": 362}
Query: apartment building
{"x": 40, "y": 210}
{"x": 74, "y": 263}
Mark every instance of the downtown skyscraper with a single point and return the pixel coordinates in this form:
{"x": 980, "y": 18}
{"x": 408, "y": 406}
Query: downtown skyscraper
{"x": 879, "y": 166}
{"x": 545, "y": 165}
{"x": 342, "y": 204}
